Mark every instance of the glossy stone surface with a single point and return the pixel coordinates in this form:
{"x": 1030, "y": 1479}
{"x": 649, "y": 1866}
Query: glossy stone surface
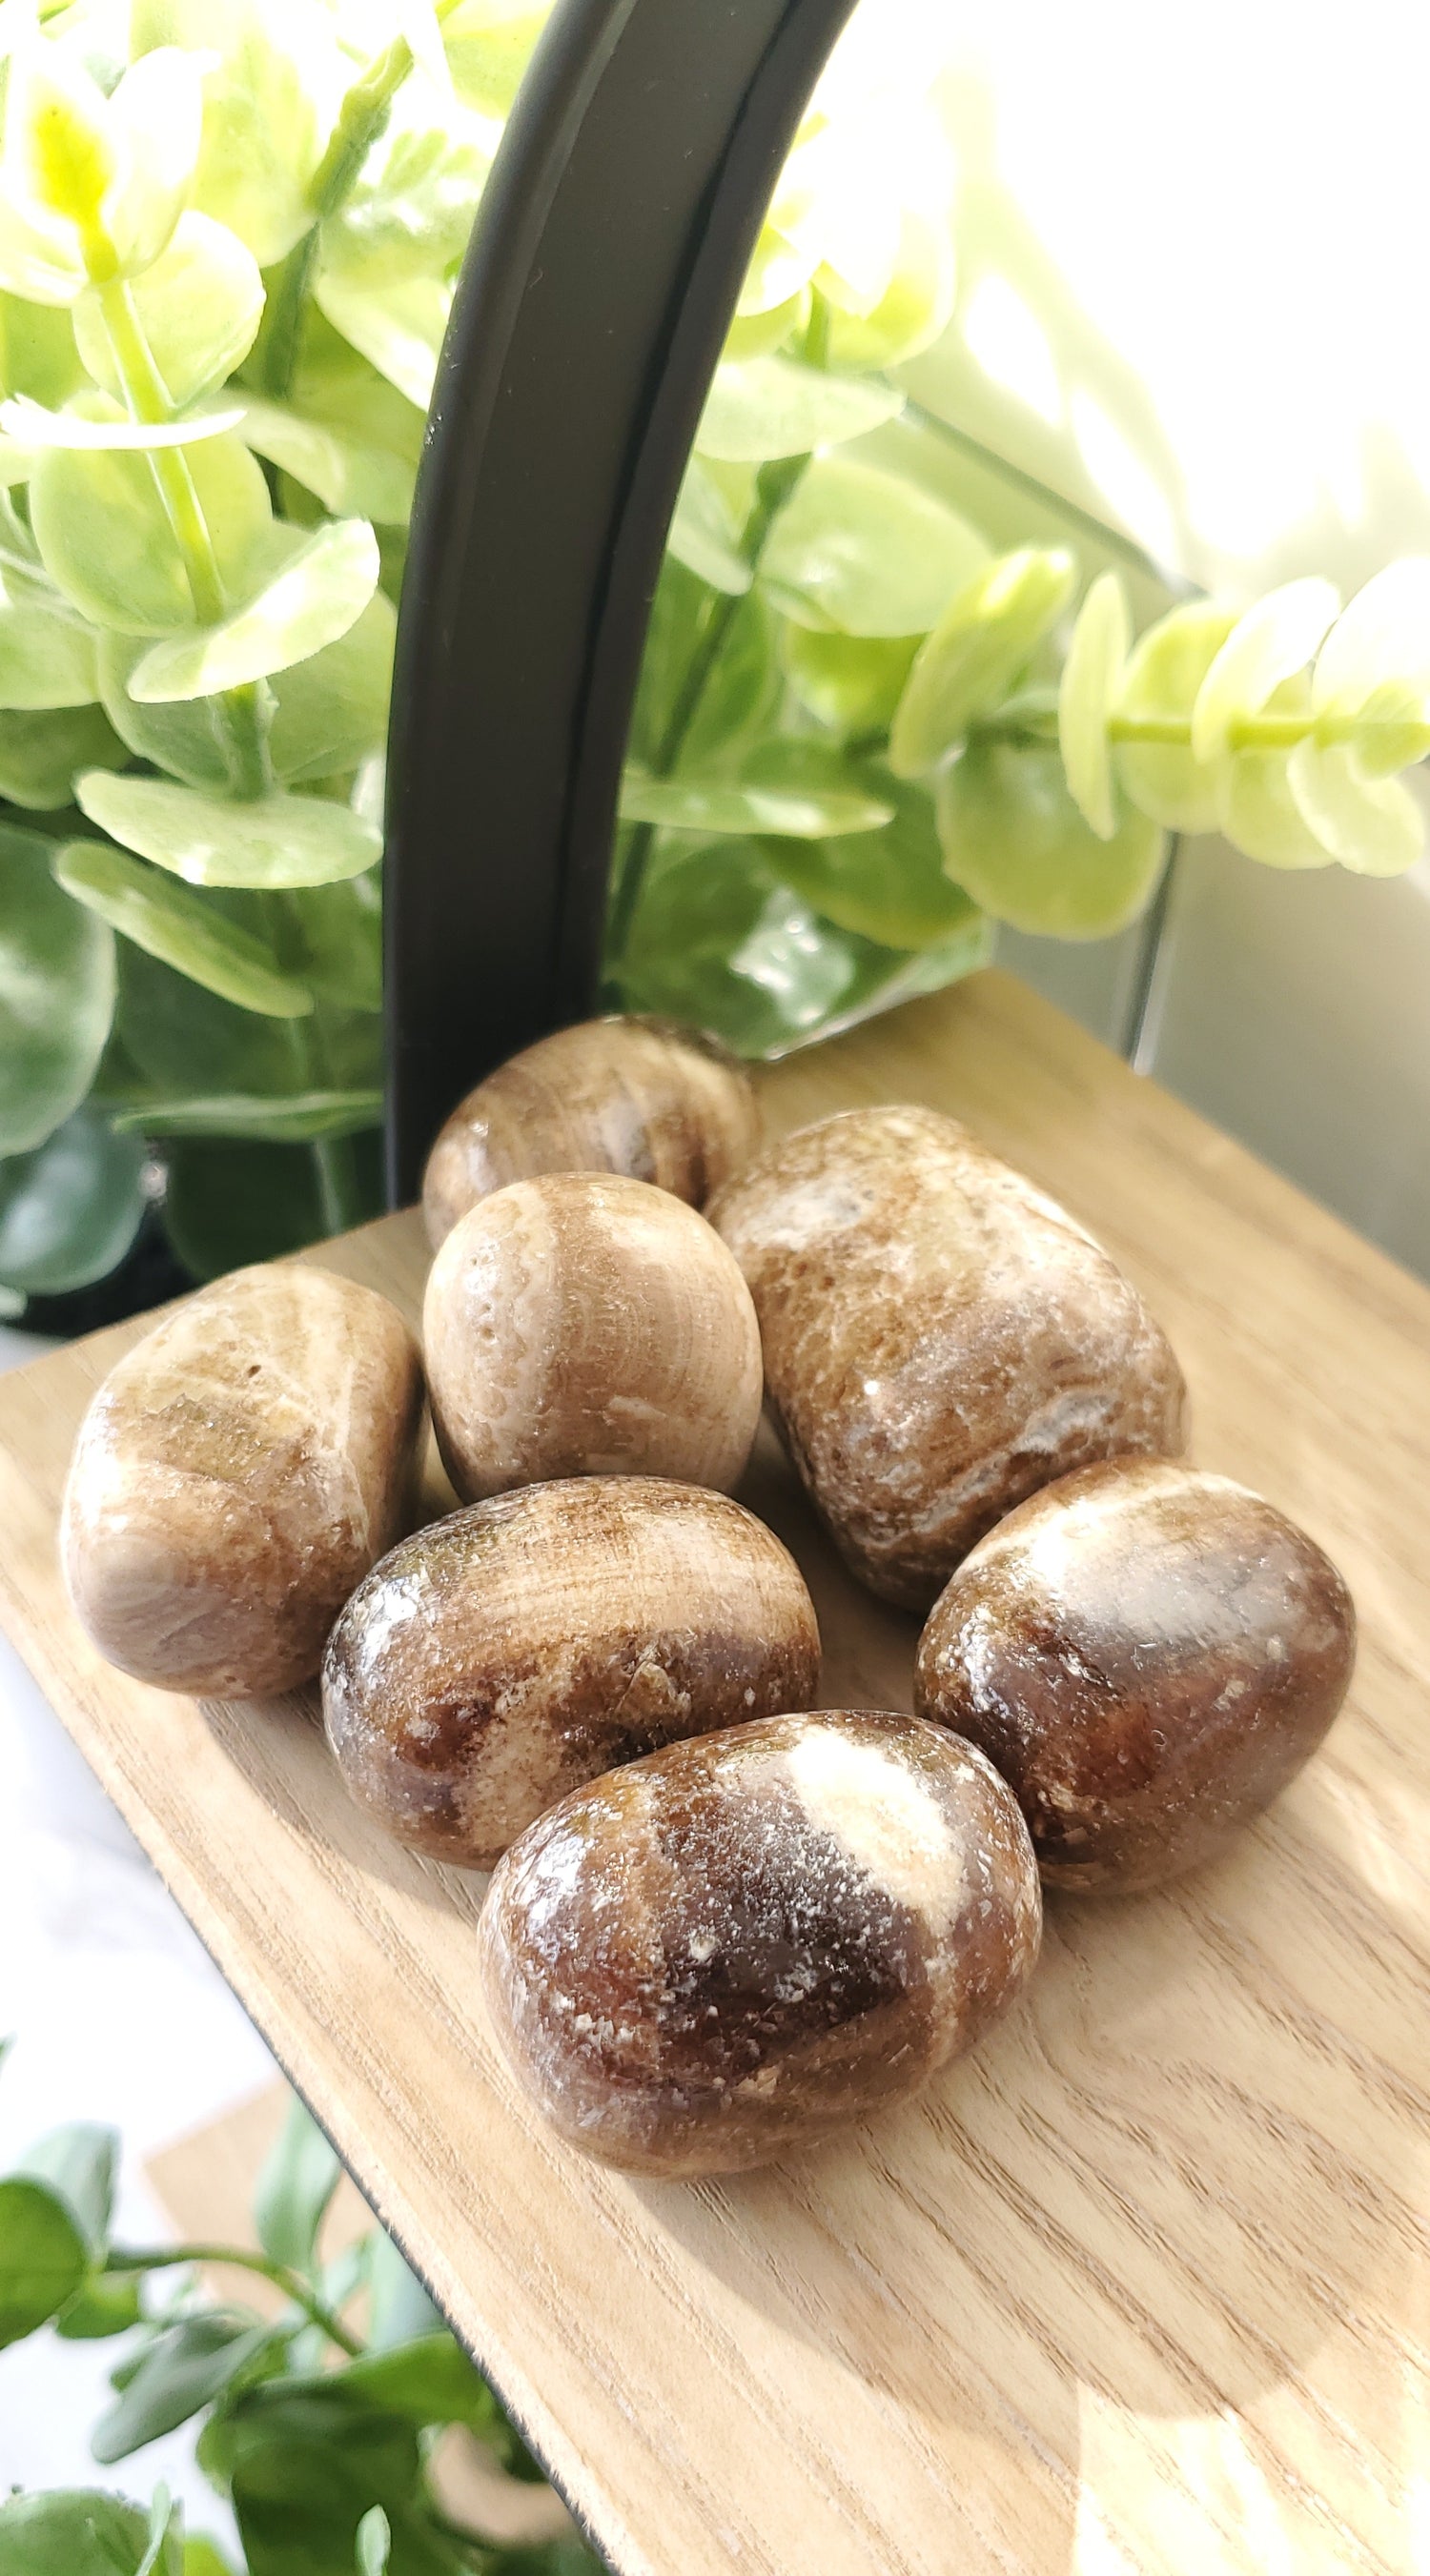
{"x": 718, "y": 1955}
{"x": 940, "y": 1339}
{"x": 236, "y": 1475}
{"x": 658, "y": 1103}
{"x": 502, "y": 1657}
{"x": 1148, "y": 1654}
{"x": 581, "y": 1324}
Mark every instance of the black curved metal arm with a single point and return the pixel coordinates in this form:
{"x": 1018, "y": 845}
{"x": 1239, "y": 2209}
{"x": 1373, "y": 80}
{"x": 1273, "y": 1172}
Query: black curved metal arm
{"x": 614, "y": 233}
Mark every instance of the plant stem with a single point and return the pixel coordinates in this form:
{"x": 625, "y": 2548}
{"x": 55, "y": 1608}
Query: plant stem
{"x": 340, "y": 1191}
{"x": 361, "y": 118}
{"x": 147, "y": 398}
{"x": 775, "y": 484}
{"x": 360, "y": 121}
{"x": 164, "y": 2258}
{"x": 238, "y": 712}
{"x": 1247, "y": 733}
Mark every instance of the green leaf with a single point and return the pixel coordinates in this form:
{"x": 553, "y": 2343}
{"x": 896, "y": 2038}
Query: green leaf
{"x": 350, "y": 476}
{"x": 1382, "y": 636}
{"x": 705, "y": 533}
{"x": 234, "y": 1203}
{"x": 1267, "y": 647}
{"x": 72, "y": 2532}
{"x": 202, "y": 2558}
{"x": 981, "y": 645}
{"x": 43, "y": 2257}
{"x": 889, "y": 886}
{"x": 199, "y": 307}
{"x": 374, "y": 2543}
{"x": 276, "y": 841}
{"x": 46, "y": 660}
{"x": 78, "y": 2164}
{"x": 1161, "y": 684}
{"x": 1255, "y": 806}
{"x": 723, "y": 805}
{"x": 397, "y": 327}
{"x": 740, "y": 690}
{"x": 37, "y": 352}
{"x": 1391, "y": 730}
{"x": 269, "y": 103}
{"x": 718, "y": 943}
{"x": 852, "y": 683}
{"x": 41, "y": 752}
{"x": 108, "y": 431}
{"x": 1014, "y": 839}
{"x": 188, "y": 934}
{"x": 917, "y": 305}
{"x": 70, "y": 1211}
{"x": 311, "y": 602}
{"x": 1372, "y": 825}
{"x": 303, "y": 2465}
{"x": 300, "y": 1119}
{"x": 294, "y": 2189}
{"x": 182, "y": 739}
{"x": 760, "y": 408}
{"x": 428, "y": 2382}
{"x": 1092, "y": 679}
{"x": 488, "y": 45}
{"x": 409, "y": 212}
{"x": 330, "y": 712}
{"x": 57, "y": 990}
{"x": 109, "y": 2303}
{"x": 864, "y": 551}
{"x": 181, "y": 1038}
{"x": 106, "y": 542}
{"x": 340, "y": 927}
{"x": 165, "y": 2533}
{"x": 183, "y": 2369}
{"x": 402, "y": 2311}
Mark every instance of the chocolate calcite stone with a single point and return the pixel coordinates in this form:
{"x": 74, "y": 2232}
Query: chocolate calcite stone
{"x": 501, "y": 1657}
{"x": 658, "y": 1103}
{"x": 940, "y": 1339}
{"x": 717, "y": 1955}
{"x": 236, "y": 1475}
{"x": 580, "y": 1324}
{"x": 1148, "y": 1655}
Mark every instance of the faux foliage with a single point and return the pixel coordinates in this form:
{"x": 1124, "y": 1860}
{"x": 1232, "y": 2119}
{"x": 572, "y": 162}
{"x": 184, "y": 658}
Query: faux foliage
{"x": 229, "y": 232}
{"x": 318, "y": 2435}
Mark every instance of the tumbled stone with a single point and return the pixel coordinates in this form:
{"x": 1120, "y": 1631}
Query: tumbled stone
{"x": 642, "y": 1097}
{"x": 721, "y": 1953}
{"x": 236, "y": 1475}
{"x": 940, "y": 1339}
{"x": 581, "y": 1324}
{"x": 498, "y": 1659}
{"x": 1148, "y": 1654}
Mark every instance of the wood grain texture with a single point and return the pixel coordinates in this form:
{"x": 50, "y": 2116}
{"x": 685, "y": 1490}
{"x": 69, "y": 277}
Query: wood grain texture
{"x": 1142, "y": 2287}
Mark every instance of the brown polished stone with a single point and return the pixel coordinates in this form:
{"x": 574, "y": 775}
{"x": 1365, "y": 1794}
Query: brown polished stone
{"x": 235, "y": 1477}
{"x": 581, "y": 1324}
{"x": 658, "y": 1103}
{"x": 1148, "y": 1655}
{"x": 500, "y": 1658}
{"x": 715, "y": 1956}
{"x": 940, "y": 1339}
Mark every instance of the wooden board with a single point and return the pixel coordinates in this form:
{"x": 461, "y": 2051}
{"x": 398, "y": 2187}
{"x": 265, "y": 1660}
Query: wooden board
{"x": 1143, "y": 2286}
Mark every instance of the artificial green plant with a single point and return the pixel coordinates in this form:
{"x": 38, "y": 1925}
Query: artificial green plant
{"x": 229, "y": 231}
{"x": 317, "y": 2422}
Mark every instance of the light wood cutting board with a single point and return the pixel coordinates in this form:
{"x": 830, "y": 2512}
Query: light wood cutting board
{"x": 1142, "y": 2286}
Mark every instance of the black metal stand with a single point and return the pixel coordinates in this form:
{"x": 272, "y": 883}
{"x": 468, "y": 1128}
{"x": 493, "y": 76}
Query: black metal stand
{"x": 613, "y": 237}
